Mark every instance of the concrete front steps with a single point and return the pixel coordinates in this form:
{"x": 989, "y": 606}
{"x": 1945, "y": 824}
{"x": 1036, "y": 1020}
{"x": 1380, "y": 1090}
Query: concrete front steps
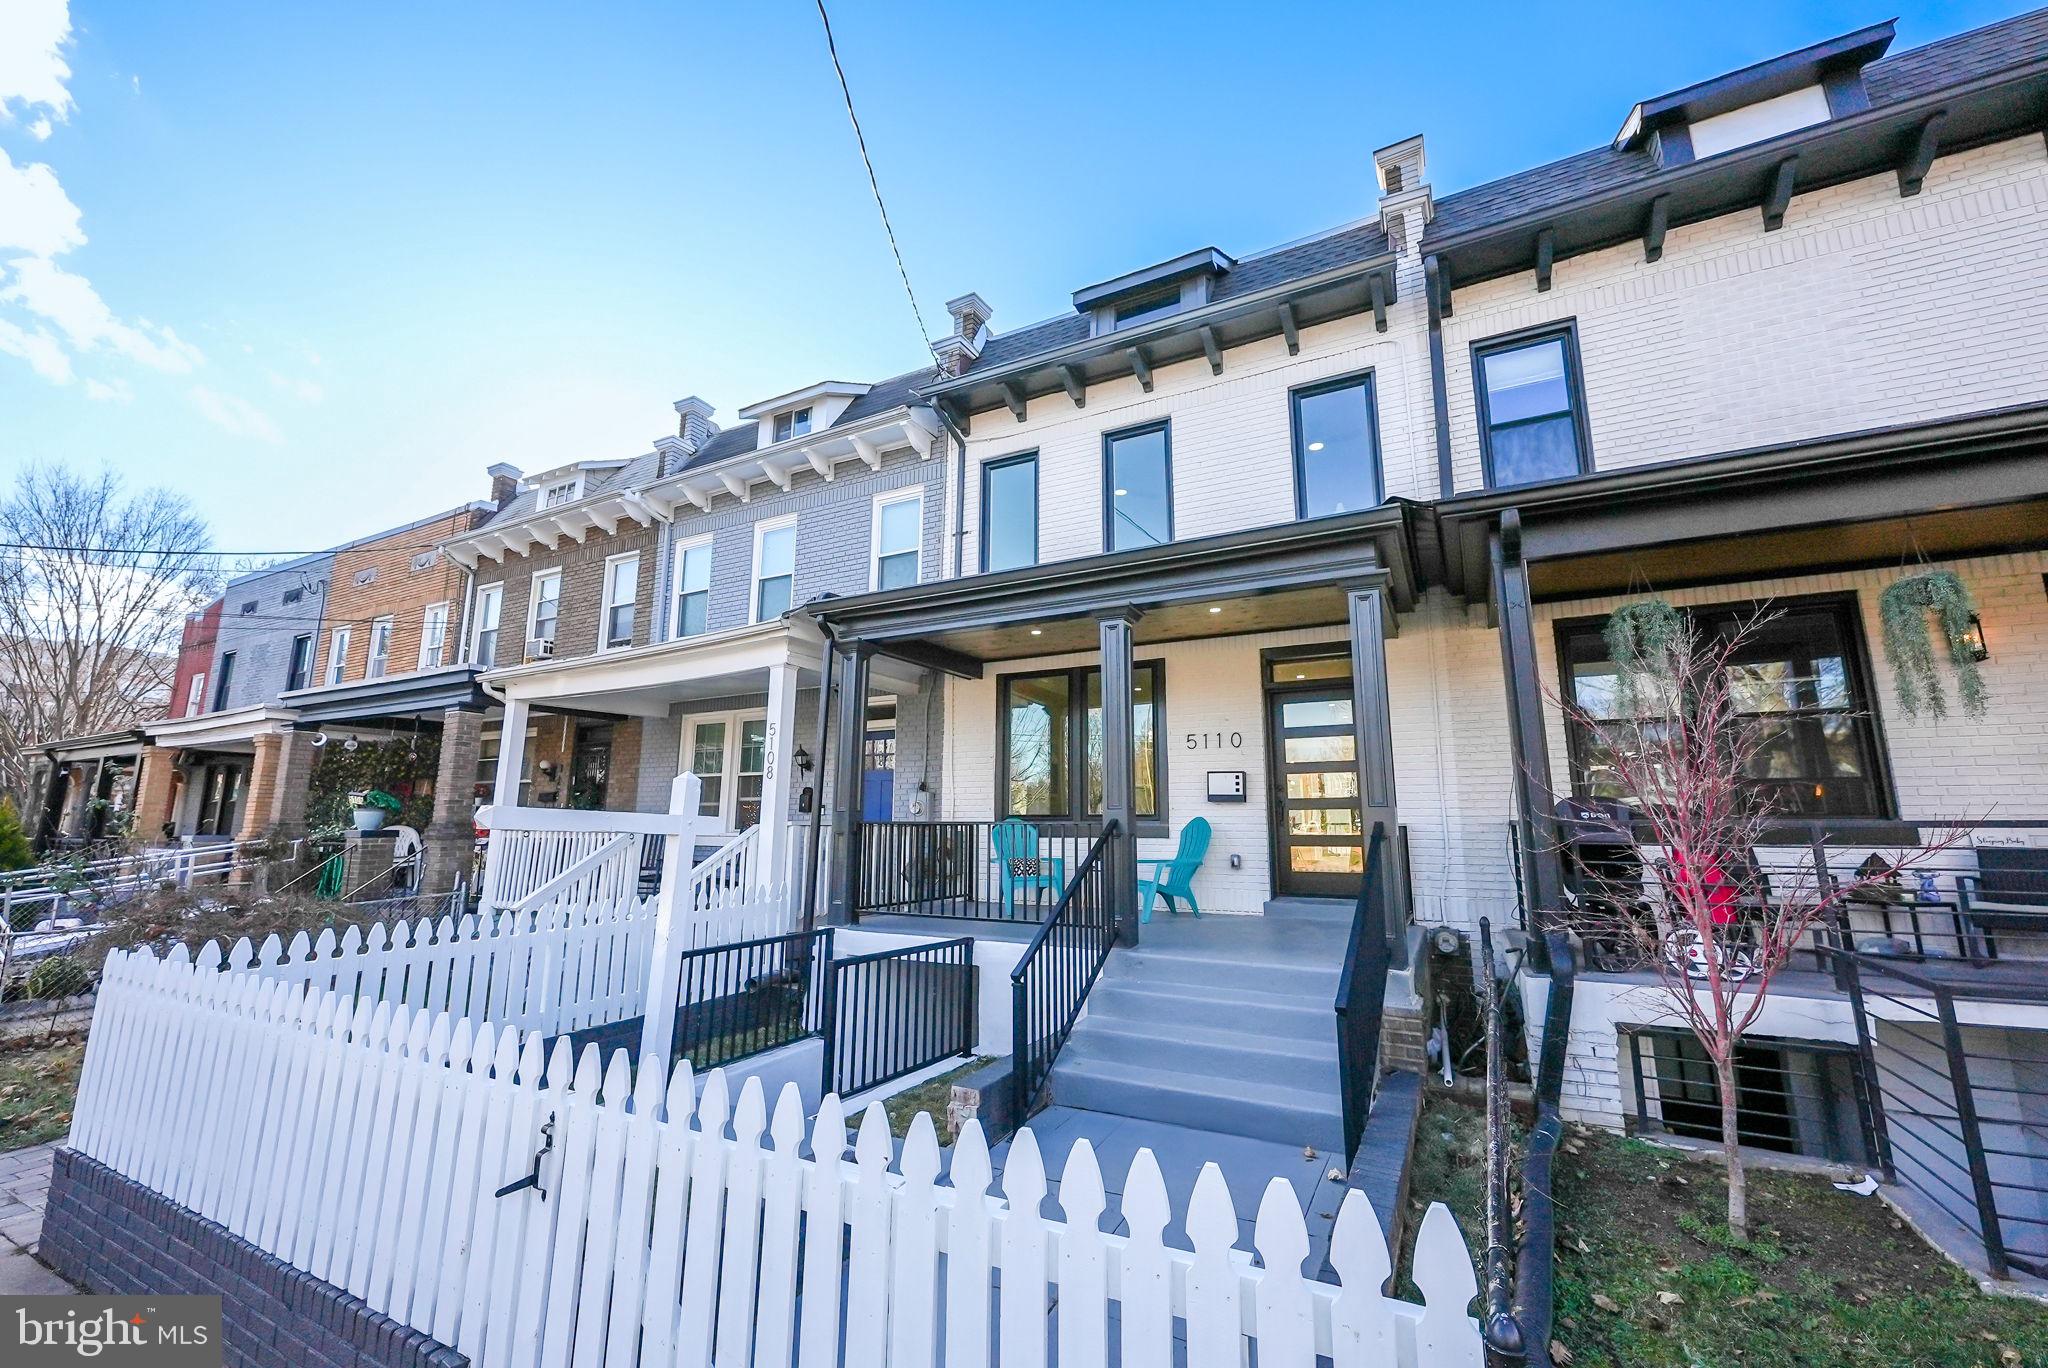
{"x": 1219, "y": 1023}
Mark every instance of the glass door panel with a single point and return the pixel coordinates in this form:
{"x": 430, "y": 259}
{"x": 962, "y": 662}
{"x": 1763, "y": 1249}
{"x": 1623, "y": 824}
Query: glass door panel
{"x": 1318, "y": 848}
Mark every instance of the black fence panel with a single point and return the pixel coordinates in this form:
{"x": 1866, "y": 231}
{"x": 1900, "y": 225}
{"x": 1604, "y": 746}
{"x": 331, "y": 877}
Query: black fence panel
{"x": 737, "y": 1000}
{"x": 1012, "y": 870}
{"x": 897, "y": 1011}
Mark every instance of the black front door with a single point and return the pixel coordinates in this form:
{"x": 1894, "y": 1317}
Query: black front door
{"x": 1313, "y": 776}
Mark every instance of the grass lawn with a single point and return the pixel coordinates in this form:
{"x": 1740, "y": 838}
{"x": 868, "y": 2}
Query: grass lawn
{"x": 932, "y": 1095}
{"x": 37, "y": 1083}
{"x": 1647, "y": 1276}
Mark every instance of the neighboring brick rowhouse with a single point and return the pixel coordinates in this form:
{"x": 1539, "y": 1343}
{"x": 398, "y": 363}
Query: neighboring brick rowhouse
{"x": 113, "y": 1236}
{"x": 451, "y": 838}
{"x": 154, "y": 790}
{"x": 263, "y": 616}
{"x": 195, "y": 660}
{"x": 582, "y": 603}
{"x": 622, "y": 782}
{"x": 397, "y": 575}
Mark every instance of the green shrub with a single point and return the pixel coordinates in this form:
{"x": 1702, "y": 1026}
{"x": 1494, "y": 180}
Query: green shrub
{"x": 59, "y": 976}
{"x": 15, "y": 851}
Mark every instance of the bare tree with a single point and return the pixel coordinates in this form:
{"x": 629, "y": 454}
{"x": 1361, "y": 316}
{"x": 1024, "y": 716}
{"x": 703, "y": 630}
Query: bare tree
{"x": 1682, "y": 735}
{"x": 94, "y": 588}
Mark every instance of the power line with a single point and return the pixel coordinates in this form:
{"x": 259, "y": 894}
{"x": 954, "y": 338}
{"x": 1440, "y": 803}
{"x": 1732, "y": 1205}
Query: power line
{"x": 873, "y": 184}
{"x": 59, "y": 548}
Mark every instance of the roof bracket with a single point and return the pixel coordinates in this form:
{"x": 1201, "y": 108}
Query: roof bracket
{"x": 1779, "y": 198}
{"x": 1920, "y": 156}
{"x": 1377, "y": 285}
{"x": 1653, "y": 231}
{"x": 1287, "y": 329}
{"x": 1210, "y": 350}
{"x": 1141, "y": 366}
{"x": 1014, "y": 397}
{"x": 1077, "y": 388}
{"x": 1546, "y": 255}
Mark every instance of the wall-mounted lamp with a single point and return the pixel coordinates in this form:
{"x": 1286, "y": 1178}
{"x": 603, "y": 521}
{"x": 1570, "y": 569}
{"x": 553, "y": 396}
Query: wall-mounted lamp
{"x": 802, "y": 759}
{"x": 1973, "y": 638}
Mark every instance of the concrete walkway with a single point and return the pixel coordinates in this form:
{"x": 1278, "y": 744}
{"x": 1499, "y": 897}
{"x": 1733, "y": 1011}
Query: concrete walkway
{"x": 24, "y": 1188}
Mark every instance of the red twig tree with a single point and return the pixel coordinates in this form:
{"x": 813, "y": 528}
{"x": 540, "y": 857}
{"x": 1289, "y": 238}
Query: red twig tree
{"x": 1682, "y": 732}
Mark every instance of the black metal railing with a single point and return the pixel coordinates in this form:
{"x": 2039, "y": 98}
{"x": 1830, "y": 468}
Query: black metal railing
{"x": 1058, "y": 968}
{"x": 1952, "y": 1105}
{"x": 1362, "y": 994}
{"x": 1013, "y": 870}
{"x": 1794, "y": 1096}
{"x": 737, "y": 1000}
{"x": 894, "y": 1012}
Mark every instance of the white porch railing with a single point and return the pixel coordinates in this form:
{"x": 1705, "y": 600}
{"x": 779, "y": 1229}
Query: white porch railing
{"x": 367, "y": 1143}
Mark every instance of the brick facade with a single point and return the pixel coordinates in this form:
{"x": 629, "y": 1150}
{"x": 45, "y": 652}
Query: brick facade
{"x": 397, "y": 574}
{"x": 261, "y": 618}
{"x": 195, "y": 660}
{"x": 113, "y": 1236}
{"x": 582, "y": 603}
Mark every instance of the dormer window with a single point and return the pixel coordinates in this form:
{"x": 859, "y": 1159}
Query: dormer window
{"x": 1186, "y": 282}
{"x": 795, "y": 423}
{"x": 1147, "y": 307}
{"x": 561, "y": 492}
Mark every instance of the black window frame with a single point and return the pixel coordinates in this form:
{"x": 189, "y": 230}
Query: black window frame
{"x": 298, "y": 670}
{"x": 1154, "y": 824}
{"x": 1364, "y": 377}
{"x": 1162, "y": 426}
{"x": 223, "y": 680}
{"x": 1565, "y": 330}
{"x": 988, "y": 470}
{"x": 1847, "y": 611}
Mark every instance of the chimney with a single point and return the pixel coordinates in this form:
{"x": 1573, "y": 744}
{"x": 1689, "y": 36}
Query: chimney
{"x": 958, "y": 350}
{"x": 504, "y": 483}
{"x": 1405, "y": 204}
{"x": 695, "y": 427}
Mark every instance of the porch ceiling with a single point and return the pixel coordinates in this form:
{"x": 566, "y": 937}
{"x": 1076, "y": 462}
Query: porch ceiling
{"x": 1243, "y": 615}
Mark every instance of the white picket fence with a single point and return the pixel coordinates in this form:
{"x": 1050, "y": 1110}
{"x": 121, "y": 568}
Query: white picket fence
{"x": 364, "y": 1141}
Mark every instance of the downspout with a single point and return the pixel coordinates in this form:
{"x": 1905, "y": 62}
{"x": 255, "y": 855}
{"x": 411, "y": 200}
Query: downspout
{"x": 959, "y": 488}
{"x": 1437, "y": 295}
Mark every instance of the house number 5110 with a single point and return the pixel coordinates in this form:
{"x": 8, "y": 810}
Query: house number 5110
{"x": 1215, "y": 740}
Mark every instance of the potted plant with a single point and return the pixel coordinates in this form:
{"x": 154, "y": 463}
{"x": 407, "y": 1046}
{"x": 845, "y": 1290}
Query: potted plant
{"x": 373, "y": 808}
{"x": 1905, "y": 608}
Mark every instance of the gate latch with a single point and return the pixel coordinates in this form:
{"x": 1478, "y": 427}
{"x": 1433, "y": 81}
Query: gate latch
{"x": 532, "y": 1180}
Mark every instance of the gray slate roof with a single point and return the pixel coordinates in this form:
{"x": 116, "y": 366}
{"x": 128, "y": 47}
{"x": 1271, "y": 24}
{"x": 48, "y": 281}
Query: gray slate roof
{"x": 1298, "y": 261}
{"x": 1902, "y": 76}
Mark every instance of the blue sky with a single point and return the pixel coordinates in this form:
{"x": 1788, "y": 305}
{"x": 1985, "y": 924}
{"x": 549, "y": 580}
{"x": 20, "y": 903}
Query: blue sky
{"x": 317, "y": 266}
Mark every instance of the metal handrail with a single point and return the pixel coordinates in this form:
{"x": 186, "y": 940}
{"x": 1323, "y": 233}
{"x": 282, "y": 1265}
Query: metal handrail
{"x": 1031, "y": 1058}
{"x": 1362, "y": 996}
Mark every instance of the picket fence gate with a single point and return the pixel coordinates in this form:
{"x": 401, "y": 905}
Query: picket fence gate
{"x": 364, "y": 1141}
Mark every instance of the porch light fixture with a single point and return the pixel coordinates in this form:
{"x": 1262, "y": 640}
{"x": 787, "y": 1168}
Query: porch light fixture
{"x": 802, "y": 759}
{"x": 1973, "y": 638}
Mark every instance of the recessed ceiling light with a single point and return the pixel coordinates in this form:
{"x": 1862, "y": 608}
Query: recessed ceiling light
{"x": 1217, "y": 609}
{"x": 1301, "y": 676}
{"x": 1315, "y": 446}
{"x": 1035, "y": 631}
{"x": 1121, "y": 492}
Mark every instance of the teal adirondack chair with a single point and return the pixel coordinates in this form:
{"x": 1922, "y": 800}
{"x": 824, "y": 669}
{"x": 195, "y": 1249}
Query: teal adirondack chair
{"x": 1013, "y": 849}
{"x": 1175, "y": 877}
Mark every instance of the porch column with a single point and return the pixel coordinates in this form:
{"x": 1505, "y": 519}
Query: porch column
{"x": 50, "y": 822}
{"x": 1119, "y": 779}
{"x": 295, "y": 758}
{"x": 153, "y": 792}
{"x": 1542, "y": 874}
{"x": 450, "y": 838}
{"x": 1372, "y": 621}
{"x": 777, "y": 775}
{"x": 511, "y": 754}
{"x": 854, "y": 658}
{"x": 261, "y": 795}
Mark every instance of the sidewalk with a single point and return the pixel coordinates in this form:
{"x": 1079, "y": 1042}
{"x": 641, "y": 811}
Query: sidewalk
{"x": 24, "y": 1186}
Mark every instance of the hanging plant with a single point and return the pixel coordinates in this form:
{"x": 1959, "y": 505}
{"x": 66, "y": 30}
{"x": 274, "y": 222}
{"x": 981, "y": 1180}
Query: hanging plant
{"x": 1904, "y": 608}
{"x": 1640, "y": 637}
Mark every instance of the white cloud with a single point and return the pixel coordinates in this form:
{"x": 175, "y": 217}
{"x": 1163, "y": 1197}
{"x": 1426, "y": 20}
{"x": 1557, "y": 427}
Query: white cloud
{"x": 305, "y": 391}
{"x": 43, "y": 287}
{"x": 109, "y": 391}
{"x": 235, "y": 415}
{"x": 44, "y": 354}
{"x": 41, "y": 129}
{"x": 33, "y": 72}
{"x": 36, "y": 216}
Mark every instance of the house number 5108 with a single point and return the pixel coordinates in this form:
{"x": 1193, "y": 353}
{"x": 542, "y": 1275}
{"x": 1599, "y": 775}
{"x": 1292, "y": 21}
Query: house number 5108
{"x": 1215, "y": 740}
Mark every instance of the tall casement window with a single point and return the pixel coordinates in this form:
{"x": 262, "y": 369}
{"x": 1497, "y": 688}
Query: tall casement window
{"x": 707, "y": 762}
{"x": 751, "y": 773}
{"x": 337, "y": 654}
{"x": 1051, "y": 725}
{"x": 1009, "y": 512}
{"x": 621, "y": 590}
{"x": 1532, "y": 407}
{"x": 1137, "y": 488}
{"x": 1803, "y": 676}
{"x": 544, "y": 615}
{"x": 490, "y": 609}
{"x": 774, "y": 569}
{"x": 195, "y": 695}
{"x": 300, "y": 672}
{"x": 380, "y": 649}
{"x": 224, "y": 681}
{"x": 433, "y": 636}
{"x": 1336, "y": 448}
{"x": 898, "y": 534}
{"x": 693, "y": 589}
